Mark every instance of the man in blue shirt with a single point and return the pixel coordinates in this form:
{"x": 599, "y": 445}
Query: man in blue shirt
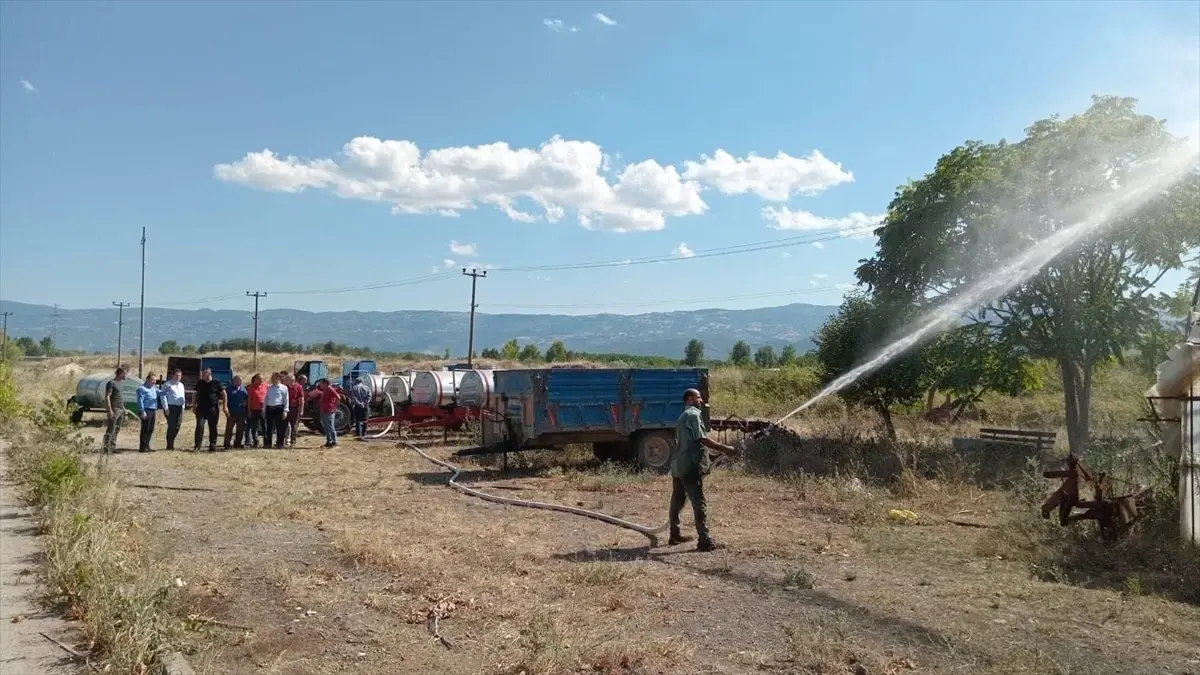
{"x": 235, "y": 413}
{"x": 360, "y": 398}
{"x": 147, "y": 398}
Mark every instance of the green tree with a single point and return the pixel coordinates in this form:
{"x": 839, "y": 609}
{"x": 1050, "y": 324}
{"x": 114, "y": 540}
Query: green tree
{"x": 169, "y": 347}
{"x": 969, "y": 361}
{"x": 490, "y": 353}
{"x": 860, "y": 328}
{"x": 693, "y": 353}
{"x": 765, "y": 357}
{"x": 47, "y": 345}
{"x": 187, "y": 350}
{"x": 28, "y": 346}
{"x": 740, "y": 354}
{"x": 446, "y": 354}
{"x": 511, "y": 350}
{"x": 982, "y": 205}
{"x": 787, "y": 356}
{"x": 556, "y": 352}
{"x": 530, "y": 353}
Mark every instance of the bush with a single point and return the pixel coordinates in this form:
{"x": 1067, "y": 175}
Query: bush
{"x": 57, "y": 474}
{"x": 10, "y": 404}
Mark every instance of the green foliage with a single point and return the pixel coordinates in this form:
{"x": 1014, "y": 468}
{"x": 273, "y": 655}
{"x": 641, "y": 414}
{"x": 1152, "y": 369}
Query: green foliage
{"x": 446, "y": 354}
{"x": 693, "y": 354}
{"x": 489, "y": 353}
{"x": 970, "y": 361}
{"x": 787, "y": 356}
{"x": 59, "y": 474}
{"x": 983, "y": 204}
{"x": 10, "y": 404}
{"x": 168, "y": 347}
{"x": 511, "y": 350}
{"x": 556, "y": 352}
{"x": 860, "y": 328}
{"x": 740, "y": 354}
{"x": 765, "y": 357}
{"x": 530, "y": 353}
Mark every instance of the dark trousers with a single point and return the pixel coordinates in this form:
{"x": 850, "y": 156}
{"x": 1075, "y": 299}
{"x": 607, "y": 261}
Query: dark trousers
{"x": 689, "y": 488}
{"x": 359, "y": 415}
{"x": 254, "y": 427}
{"x": 207, "y": 418}
{"x": 174, "y": 421}
{"x": 293, "y": 421}
{"x": 235, "y": 428}
{"x": 276, "y": 426}
{"x": 147, "y": 430}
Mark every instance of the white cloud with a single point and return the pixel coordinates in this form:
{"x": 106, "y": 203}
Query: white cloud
{"x": 814, "y": 283}
{"x": 604, "y": 19}
{"x": 817, "y": 244}
{"x": 555, "y": 25}
{"x": 683, "y": 251}
{"x": 772, "y": 178}
{"x": 784, "y": 218}
{"x": 28, "y": 86}
{"x": 554, "y": 177}
{"x": 463, "y": 249}
{"x": 820, "y": 276}
{"x": 785, "y": 255}
{"x": 436, "y": 269}
{"x": 448, "y": 263}
{"x": 534, "y": 184}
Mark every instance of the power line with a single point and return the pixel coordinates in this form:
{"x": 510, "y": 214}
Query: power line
{"x": 652, "y": 303}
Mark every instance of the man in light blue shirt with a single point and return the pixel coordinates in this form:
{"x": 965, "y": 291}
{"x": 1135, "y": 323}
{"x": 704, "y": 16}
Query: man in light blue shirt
{"x": 148, "y": 399}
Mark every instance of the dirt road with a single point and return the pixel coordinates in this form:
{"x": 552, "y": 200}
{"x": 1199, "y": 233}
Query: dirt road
{"x": 23, "y": 650}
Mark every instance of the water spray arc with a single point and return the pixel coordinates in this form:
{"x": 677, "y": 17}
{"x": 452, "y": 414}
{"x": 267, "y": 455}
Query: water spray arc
{"x": 1100, "y": 216}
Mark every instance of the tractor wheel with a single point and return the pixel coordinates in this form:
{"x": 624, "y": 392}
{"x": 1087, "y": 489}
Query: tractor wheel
{"x": 613, "y": 451}
{"x": 654, "y": 450}
{"x": 341, "y": 419}
{"x": 312, "y": 425}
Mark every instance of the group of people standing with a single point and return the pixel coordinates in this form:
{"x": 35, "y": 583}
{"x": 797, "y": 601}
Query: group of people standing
{"x": 258, "y": 413}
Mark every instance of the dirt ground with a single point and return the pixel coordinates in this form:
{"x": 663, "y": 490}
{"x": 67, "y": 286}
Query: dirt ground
{"x": 323, "y": 561}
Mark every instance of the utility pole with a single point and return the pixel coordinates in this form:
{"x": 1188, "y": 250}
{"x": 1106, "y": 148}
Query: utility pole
{"x": 54, "y": 317}
{"x": 142, "y": 312}
{"x": 256, "y": 295}
{"x": 475, "y": 275}
{"x": 4, "y": 347}
{"x": 120, "y": 323}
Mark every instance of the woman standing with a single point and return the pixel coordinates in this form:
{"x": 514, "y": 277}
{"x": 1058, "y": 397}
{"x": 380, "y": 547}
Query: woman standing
{"x": 255, "y": 401}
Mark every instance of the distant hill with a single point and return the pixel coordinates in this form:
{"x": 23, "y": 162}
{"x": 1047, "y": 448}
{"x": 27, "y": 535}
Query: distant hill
{"x": 658, "y": 334}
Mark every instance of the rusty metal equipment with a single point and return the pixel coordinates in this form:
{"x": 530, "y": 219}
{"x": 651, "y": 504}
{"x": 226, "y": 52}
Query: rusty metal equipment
{"x": 1114, "y": 515}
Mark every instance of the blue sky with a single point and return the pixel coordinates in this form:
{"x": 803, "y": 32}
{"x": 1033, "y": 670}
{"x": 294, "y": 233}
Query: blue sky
{"x": 117, "y": 116}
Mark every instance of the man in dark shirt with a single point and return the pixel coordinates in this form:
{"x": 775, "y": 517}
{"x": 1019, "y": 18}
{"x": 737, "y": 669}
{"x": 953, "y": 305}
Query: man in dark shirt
{"x": 689, "y": 464}
{"x": 207, "y": 403}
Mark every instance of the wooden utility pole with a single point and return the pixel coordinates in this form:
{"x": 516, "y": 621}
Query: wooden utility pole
{"x": 475, "y": 275}
{"x": 4, "y": 346}
{"x": 120, "y": 324}
{"x": 142, "y": 313}
{"x": 256, "y": 295}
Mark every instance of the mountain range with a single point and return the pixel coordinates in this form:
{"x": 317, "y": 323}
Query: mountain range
{"x": 659, "y": 333}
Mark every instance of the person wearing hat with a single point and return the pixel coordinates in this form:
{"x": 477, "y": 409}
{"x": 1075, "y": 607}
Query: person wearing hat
{"x": 689, "y": 465}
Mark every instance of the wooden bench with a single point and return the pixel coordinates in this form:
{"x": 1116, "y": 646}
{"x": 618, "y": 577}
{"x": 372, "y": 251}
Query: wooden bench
{"x": 1038, "y": 440}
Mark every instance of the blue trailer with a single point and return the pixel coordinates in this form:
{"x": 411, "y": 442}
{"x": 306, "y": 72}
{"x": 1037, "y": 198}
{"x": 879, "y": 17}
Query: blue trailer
{"x": 221, "y": 366}
{"x": 624, "y": 413}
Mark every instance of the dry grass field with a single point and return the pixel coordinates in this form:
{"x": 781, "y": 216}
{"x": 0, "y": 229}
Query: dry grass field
{"x": 323, "y": 561}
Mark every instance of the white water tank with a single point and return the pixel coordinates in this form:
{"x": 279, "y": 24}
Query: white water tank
{"x": 374, "y": 382}
{"x": 477, "y": 389}
{"x": 399, "y": 387}
{"x": 435, "y": 387}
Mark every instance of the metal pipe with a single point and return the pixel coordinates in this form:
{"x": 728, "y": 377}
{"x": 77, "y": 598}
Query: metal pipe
{"x": 142, "y": 312}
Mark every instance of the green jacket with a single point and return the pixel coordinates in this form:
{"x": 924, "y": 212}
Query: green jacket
{"x": 691, "y": 457}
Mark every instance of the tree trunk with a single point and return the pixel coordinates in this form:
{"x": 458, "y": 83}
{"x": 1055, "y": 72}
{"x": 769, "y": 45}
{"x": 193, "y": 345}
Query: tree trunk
{"x": 885, "y": 414}
{"x": 1077, "y": 395}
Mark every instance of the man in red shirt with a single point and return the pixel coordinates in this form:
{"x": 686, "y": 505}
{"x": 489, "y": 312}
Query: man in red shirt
{"x": 295, "y": 406}
{"x": 328, "y": 400}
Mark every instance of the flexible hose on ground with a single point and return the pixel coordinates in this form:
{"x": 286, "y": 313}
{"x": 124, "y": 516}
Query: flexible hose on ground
{"x": 650, "y": 533}
{"x": 391, "y": 413}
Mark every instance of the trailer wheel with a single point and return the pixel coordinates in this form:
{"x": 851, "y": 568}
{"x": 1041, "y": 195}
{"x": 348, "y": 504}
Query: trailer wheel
{"x": 341, "y": 419}
{"x": 613, "y": 451}
{"x": 654, "y": 450}
{"x": 77, "y": 416}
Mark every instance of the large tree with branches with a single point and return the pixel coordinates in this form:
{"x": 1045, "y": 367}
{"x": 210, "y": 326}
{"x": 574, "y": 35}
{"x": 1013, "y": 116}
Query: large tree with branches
{"x": 983, "y": 204}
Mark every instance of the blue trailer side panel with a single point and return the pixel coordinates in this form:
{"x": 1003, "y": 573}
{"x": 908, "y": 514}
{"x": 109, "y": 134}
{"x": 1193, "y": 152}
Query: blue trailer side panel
{"x": 221, "y": 366}
{"x": 581, "y": 400}
{"x": 656, "y": 399}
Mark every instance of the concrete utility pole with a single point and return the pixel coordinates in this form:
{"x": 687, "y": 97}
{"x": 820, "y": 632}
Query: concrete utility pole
{"x": 142, "y": 312}
{"x": 475, "y": 275}
{"x": 4, "y": 347}
{"x": 256, "y": 295}
{"x": 120, "y": 323}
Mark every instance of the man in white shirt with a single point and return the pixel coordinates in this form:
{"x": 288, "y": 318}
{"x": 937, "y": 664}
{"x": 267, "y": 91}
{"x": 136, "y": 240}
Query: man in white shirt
{"x": 276, "y": 412}
{"x": 172, "y": 401}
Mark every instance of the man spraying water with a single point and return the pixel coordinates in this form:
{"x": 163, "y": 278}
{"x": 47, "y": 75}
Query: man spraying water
{"x": 689, "y": 465}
